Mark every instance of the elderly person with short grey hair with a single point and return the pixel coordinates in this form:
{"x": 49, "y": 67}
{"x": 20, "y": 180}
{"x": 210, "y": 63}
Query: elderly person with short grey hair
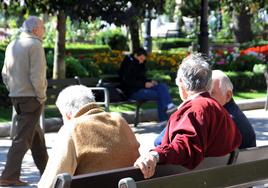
{"x": 24, "y": 74}
{"x": 90, "y": 140}
{"x": 199, "y": 128}
{"x": 222, "y": 91}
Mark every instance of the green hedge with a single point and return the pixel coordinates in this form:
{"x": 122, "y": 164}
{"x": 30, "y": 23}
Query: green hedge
{"x": 246, "y": 81}
{"x": 165, "y": 44}
{"x": 72, "y": 51}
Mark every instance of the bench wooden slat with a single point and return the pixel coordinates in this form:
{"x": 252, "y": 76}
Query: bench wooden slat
{"x": 112, "y": 177}
{"x": 61, "y": 82}
{"x": 237, "y": 175}
{"x": 90, "y": 82}
{"x": 251, "y": 154}
{"x": 250, "y": 170}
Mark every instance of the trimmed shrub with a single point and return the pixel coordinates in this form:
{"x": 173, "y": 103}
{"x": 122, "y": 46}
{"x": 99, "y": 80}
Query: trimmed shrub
{"x": 246, "y": 81}
{"x": 74, "y": 68}
{"x": 244, "y": 63}
{"x": 259, "y": 68}
{"x": 166, "y": 44}
{"x": 114, "y": 38}
{"x": 91, "y": 67}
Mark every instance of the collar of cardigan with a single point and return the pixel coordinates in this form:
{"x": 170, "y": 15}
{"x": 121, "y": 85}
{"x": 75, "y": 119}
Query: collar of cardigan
{"x": 90, "y": 108}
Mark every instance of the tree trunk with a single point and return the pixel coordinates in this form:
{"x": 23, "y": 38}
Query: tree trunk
{"x": 134, "y": 35}
{"x": 203, "y": 37}
{"x": 242, "y": 28}
{"x": 59, "y": 49}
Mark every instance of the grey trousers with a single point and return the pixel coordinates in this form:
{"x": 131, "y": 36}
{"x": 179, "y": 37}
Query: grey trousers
{"x": 28, "y": 135}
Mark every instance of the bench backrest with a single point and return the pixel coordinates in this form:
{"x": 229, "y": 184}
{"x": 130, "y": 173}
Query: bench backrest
{"x": 55, "y": 86}
{"x": 251, "y": 154}
{"x": 112, "y": 177}
{"x": 87, "y": 81}
{"x": 238, "y": 175}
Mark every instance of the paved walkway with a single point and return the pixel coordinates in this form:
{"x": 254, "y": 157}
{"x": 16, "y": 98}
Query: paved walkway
{"x": 145, "y": 133}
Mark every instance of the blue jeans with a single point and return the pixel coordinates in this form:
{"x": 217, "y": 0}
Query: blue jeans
{"x": 158, "y": 93}
{"x": 159, "y": 138}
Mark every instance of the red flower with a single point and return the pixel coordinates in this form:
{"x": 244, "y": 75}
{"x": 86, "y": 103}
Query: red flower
{"x": 258, "y": 49}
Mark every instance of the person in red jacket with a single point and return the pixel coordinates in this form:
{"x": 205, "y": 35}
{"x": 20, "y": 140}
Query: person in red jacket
{"x": 199, "y": 128}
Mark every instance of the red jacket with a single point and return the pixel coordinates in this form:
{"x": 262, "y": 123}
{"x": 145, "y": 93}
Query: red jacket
{"x": 200, "y": 128}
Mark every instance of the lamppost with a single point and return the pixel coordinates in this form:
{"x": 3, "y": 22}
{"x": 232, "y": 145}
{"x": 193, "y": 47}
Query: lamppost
{"x": 147, "y": 33}
{"x": 203, "y": 37}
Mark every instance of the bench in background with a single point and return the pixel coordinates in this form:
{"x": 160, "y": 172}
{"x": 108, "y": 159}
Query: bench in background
{"x": 113, "y": 81}
{"x": 53, "y": 89}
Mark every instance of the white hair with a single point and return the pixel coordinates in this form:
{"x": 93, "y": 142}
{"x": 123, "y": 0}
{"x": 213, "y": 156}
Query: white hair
{"x": 73, "y": 98}
{"x": 30, "y": 24}
{"x": 225, "y": 83}
{"x": 195, "y": 73}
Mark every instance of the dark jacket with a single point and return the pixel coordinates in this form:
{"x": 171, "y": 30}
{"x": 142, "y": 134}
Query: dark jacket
{"x": 132, "y": 75}
{"x": 242, "y": 123}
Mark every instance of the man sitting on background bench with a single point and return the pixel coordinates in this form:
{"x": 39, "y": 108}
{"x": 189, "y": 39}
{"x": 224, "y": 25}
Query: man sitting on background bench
{"x": 222, "y": 91}
{"x": 136, "y": 86}
{"x": 200, "y": 128}
{"x": 90, "y": 140}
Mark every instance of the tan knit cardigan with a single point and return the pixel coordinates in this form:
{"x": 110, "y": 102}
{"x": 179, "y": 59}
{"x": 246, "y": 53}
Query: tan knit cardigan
{"x": 92, "y": 141}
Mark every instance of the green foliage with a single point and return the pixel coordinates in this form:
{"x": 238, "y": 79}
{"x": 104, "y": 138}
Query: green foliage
{"x": 159, "y": 75}
{"x": 245, "y": 63}
{"x": 50, "y": 35}
{"x": 49, "y": 58}
{"x": 246, "y": 81}
{"x": 82, "y": 31}
{"x": 259, "y": 68}
{"x": 76, "y": 31}
{"x": 169, "y": 8}
{"x": 239, "y": 5}
{"x": 191, "y": 8}
{"x": 226, "y": 32}
{"x": 229, "y": 59}
{"x": 74, "y": 68}
{"x": 84, "y": 49}
{"x": 166, "y": 44}
{"x": 91, "y": 67}
{"x": 253, "y": 43}
{"x": 114, "y": 38}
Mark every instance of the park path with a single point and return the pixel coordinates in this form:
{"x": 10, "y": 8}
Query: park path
{"x": 145, "y": 133}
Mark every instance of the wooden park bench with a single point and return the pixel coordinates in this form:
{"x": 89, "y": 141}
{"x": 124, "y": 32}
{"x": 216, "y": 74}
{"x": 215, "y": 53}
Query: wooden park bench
{"x": 111, "y": 178}
{"x": 108, "y": 84}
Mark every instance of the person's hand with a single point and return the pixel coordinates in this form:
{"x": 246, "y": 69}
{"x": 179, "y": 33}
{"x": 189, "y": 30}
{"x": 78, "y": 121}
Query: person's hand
{"x": 147, "y": 164}
{"x": 154, "y": 82}
{"x": 149, "y": 84}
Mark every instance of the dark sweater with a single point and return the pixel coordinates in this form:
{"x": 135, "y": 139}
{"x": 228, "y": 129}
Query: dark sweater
{"x": 132, "y": 75}
{"x": 242, "y": 123}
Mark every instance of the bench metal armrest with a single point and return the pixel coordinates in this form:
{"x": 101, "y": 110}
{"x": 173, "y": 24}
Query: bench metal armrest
{"x": 62, "y": 181}
{"x": 127, "y": 183}
{"x": 106, "y": 101}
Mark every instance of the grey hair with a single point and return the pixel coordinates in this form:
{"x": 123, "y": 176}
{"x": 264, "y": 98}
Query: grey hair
{"x": 195, "y": 73}
{"x": 225, "y": 83}
{"x": 72, "y": 98}
{"x": 29, "y": 24}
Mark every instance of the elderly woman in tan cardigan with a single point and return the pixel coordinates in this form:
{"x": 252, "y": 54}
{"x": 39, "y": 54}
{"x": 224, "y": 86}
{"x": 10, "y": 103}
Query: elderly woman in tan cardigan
{"x": 90, "y": 140}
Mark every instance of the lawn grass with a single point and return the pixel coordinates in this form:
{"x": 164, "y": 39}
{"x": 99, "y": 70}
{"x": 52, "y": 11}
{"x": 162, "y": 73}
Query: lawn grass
{"x": 52, "y": 111}
{"x": 249, "y": 95}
